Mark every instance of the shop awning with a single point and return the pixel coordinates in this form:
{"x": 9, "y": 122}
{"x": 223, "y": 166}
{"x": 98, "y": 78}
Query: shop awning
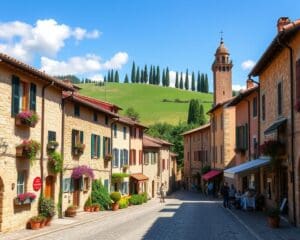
{"x": 211, "y": 174}
{"x": 139, "y": 177}
{"x": 230, "y": 172}
{"x": 275, "y": 125}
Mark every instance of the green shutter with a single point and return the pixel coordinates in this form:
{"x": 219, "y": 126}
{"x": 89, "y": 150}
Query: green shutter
{"x": 32, "y": 103}
{"x": 73, "y": 139}
{"x": 246, "y": 136}
{"x": 92, "y": 146}
{"x": 72, "y": 185}
{"x": 98, "y": 146}
{"x": 109, "y": 147}
{"x": 15, "y": 97}
{"x": 104, "y": 140}
{"x": 81, "y": 137}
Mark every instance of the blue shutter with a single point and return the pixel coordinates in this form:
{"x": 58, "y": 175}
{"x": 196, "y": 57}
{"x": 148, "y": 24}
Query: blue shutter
{"x": 71, "y": 185}
{"x": 125, "y": 156}
{"x": 121, "y": 157}
{"x": 117, "y": 150}
{"x": 32, "y": 103}
{"x": 81, "y": 137}
{"x": 66, "y": 184}
{"x": 98, "y": 146}
{"x": 15, "y": 96}
{"x": 73, "y": 139}
{"x": 106, "y": 184}
{"x": 92, "y": 146}
{"x": 104, "y": 150}
{"x": 109, "y": 147}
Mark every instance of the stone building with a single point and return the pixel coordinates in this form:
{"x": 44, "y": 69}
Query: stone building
{"x": 87, "y": 144}
{"x": 25, "y": 90}
{"x": 196, "y": 155}
{"x": 278, "y": 70}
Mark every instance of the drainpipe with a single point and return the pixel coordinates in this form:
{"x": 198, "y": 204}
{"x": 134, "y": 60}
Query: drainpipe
{"x": 111, "y": 145}
{"x": 292, "y": 123}
{"x": 190, "y": 159}
{"x": 249, "y": 137}
{"x": 42, "y": 135}
{"x": 62, "y": 152}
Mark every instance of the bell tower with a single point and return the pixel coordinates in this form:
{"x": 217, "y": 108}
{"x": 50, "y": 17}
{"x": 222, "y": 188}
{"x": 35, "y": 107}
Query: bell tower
{"x": 221, "y": 68}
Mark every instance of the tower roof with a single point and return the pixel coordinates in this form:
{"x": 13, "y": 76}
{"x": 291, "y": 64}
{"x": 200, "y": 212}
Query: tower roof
{"x": 222, "y": 49}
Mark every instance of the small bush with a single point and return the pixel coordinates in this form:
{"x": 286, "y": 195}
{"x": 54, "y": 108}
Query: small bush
{"x": 88, "y": 202}
{"x": 46, "y": 207}
{"x": 115, "y": 197}
{"x": 145, "y": 197}
{"x": 123, "y": 203}
{"x": 136, "y": 199}
{"x": 100, "y": 194}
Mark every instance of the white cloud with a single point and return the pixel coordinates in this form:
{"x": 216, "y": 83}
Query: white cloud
{"x": 117, "y": 61}
{"x": 237, "y": 87}
{"x": 46, "y": 37}
{"x": 97, "y": 77}
{"x": 82, "y": 65}
{"x": 247, "y": 65}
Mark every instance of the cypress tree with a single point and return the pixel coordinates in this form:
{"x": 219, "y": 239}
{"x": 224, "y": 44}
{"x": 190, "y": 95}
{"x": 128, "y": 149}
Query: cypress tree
{"x": 198, "y": 83}
{"x": 196, "y": 115}
{"x": 190, "y": 111}
{"x": 176, "y": 80}
{"x": 157, "y": 76}
{"x": 186, "y": 83}
{"x": 151, "y": 75}
{"x": 145, "y": 74}
{"x": 202, "y": 83}
{"x": 117, "y": 77}
{"x": 202, "y": 119}
{"x": 104, "y": 79}
{"x": 154, "y": 76}
{"x": 126, "y": 80}
{"x": 206, "y": 87}
{"x": 167, "y": 77}
{"x": 163, "y": 78}
{"x": 181, "y": 82}
{"x": 108, "y": 76}
{"x": 142, "y": 76}
{"x": 137, "y": 76}
{"x": 112, "y": 75}
{"x": 133, "y": 73}
{"x": 193, "y": 81}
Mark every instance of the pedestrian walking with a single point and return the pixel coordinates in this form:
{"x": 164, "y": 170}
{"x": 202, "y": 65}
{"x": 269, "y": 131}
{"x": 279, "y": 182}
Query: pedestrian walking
{"x": 225, "y": 193}
{"x": 232, "y": 192}
{"x": 210, "y": 188}
{"x": 162, "y": 193}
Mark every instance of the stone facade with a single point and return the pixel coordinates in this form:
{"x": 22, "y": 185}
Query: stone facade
{"x": 196, "y": 154}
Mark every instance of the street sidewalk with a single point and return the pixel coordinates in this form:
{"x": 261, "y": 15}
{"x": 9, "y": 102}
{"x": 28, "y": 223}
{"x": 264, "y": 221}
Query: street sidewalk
{"x": 58, "y": 224}
{"x": 256, "y": 223}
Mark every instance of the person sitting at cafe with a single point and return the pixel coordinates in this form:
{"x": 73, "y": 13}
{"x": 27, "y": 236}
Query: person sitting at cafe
{"x": 238, "y": 196}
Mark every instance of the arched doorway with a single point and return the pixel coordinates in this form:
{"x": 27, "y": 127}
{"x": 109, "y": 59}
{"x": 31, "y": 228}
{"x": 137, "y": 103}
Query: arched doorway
{"x": 49, "y": 189}
{"x": 1, "y": 202}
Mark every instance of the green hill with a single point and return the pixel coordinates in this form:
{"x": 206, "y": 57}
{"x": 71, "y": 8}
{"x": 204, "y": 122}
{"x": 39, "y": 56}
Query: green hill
{"x": 153, "y": 103}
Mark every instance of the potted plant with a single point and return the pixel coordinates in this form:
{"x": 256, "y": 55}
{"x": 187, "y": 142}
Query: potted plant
{"x": 96, "y": 207}
{"x": 273, "y": 217}
{"x": 71, "y": 211}
{"x": 35, "y": 222}
{"x": 55, "y": 162}
{"x": 51, "y": 146}
{"x": 26, "y": 118}
{"x": 115, "y": 197}
{"x": 28, "y": 149}
{"x": 42, "y": 221}
{"x": 88, "y": 205}
{"x": 78, "y": 148}
{"x": 108, "y": 157}
{"x": 25, "y": 198}
{"x": 125, "y": 168}
{"x": 47, "y": 209}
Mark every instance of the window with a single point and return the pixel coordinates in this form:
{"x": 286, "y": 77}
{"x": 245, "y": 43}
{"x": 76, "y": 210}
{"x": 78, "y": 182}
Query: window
{"x": 124, "y": 132}
{"x": 115, "y": 162}
{"x": 95, "y": 117}
{"x": 242, "y": 137}
{"x": 125, "y": 153}
{"x": 146, "y": 158}
{"x": 51, "y": 136}
{"x": 21, "y": 182}
{"x": 86, "y": 184}
{"x": 106, "y": 146}
{"x": 106, "y": 184}
{"x": 76, "y": 110}
{"x": 254, "y": 106}
{"x": 141, "y": 133}
{"x": 95, "y": 146}
{"x": 115, "y": 127}
{"x": 163, "y": 164}
{"x": 106, "y": 120}
{"x": 279, "y": 98}
{"x": 140, "y": 157}
{"x": 23, "y": 96}
{"x": 124, "y": 188}
{"x": 263, "y": 107}
{"x": 255, "y": 147}
{"x": 77, "y": 138}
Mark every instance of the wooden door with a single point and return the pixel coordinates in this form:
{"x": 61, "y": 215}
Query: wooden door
{"x": 76, "y": 193}
{"x": 1, "y": 202}
{"x": 49, "y": 189}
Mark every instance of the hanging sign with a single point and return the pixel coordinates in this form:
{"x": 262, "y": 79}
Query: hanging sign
{"x": 37, "y": 184}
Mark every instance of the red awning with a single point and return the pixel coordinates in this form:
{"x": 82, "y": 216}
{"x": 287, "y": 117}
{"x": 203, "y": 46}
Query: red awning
{"x": 211, "y": 174}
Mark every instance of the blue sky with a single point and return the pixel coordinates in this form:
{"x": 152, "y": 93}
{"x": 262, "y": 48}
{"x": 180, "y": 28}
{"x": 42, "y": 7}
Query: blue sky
{"x": 89, "y": 37}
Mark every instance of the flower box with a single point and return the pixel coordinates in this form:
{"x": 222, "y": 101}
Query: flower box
{"x": 78, "y": 149}
{"x": 108, "y": 157}
{"x": 27, "y": 119}
{"x": 51, "y": 146}
{"x": 28, "y": 149}
{"x": 24, "y": 198}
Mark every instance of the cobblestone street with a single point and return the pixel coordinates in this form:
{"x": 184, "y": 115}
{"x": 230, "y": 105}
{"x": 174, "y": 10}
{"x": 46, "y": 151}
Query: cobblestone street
{"x": 184, "y": 216}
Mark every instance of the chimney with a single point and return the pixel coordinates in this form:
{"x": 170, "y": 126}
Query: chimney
{"x": 281, "y": 22}
{"x": 250, "y": 84}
